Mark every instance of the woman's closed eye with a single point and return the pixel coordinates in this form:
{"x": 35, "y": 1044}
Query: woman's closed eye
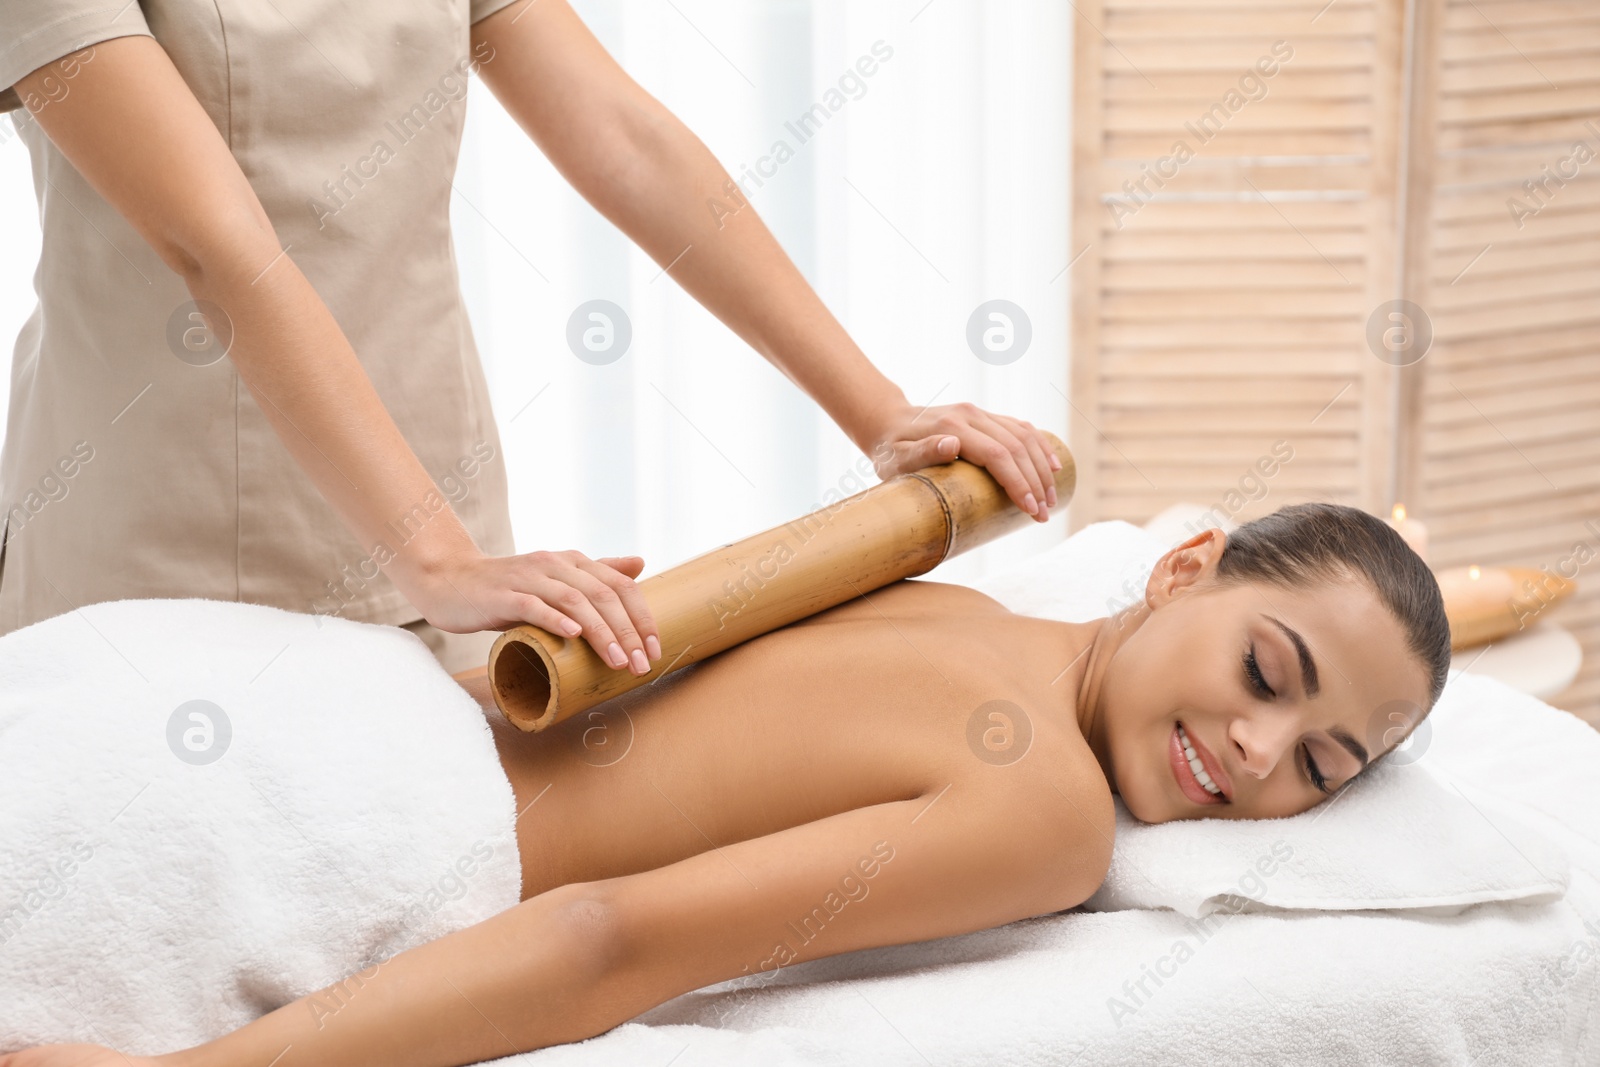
{"x": 1315, "y": 775}
{"x": 1258, "y": 682}
{"x": 1252, "y": 671}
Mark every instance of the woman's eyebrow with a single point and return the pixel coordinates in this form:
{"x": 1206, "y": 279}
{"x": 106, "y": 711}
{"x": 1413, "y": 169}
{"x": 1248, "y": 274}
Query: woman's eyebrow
{"x": 1308, "y": 666}
{"x": 1354, "y": 747}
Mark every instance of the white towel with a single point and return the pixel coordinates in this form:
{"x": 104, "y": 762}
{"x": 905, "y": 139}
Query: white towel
{"x": 1395, "y": 838}
{"x": 352, "y": 806}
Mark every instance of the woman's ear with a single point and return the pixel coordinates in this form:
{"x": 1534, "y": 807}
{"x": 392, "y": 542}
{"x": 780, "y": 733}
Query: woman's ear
{"x": 1186, "y": 566}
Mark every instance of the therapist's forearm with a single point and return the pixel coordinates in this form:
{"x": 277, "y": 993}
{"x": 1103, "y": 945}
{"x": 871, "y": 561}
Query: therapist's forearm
{"x": 305, "y": 377}
{"x": 729, "y": 261}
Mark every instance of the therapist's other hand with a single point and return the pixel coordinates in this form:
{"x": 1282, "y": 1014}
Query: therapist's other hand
{"x": 566, "y": 593}
{"x": 1013, "y": 451}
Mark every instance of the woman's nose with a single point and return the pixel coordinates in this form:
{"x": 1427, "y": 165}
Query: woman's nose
{"x": 1261, "y": 742}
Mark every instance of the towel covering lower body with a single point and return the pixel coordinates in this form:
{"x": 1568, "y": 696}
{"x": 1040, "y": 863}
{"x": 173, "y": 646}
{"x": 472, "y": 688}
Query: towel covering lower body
{"x": 210, "y": 809}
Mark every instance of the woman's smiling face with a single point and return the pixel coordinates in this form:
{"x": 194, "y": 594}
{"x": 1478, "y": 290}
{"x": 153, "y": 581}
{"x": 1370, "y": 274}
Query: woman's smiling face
{"x": 1277, "y": 691}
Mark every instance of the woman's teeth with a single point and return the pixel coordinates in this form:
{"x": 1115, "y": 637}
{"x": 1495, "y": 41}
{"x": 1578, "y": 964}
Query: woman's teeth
{"x": 1198, "y": 768}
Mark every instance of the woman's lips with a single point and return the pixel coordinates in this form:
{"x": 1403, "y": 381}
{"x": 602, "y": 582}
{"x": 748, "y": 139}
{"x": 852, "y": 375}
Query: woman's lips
{"x": 1187, "y": 782}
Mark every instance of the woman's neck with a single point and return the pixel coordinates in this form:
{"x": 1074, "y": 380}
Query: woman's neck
{"x": 1077, "y": 655}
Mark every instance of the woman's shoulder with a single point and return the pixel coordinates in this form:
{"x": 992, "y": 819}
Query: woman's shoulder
{"x": 927, "y": 591}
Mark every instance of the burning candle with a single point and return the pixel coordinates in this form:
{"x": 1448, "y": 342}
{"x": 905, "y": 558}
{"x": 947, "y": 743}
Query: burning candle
{"x": 1411, "y": 531}
{"x": 1486, "y": 603}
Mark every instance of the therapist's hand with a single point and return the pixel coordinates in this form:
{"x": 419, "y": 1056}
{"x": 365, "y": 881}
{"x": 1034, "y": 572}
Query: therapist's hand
{"x": 566, "y": 593}
{"x": 1019, "y": 456}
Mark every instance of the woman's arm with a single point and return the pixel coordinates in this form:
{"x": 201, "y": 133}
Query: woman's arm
{"x": 645, "y": 171}
{"x": 134, "y": 130}
{"x": 576, "y": 961}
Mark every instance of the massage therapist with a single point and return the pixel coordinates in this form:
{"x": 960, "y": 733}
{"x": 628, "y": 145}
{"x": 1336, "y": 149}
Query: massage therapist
{"x": 176, "y": 145}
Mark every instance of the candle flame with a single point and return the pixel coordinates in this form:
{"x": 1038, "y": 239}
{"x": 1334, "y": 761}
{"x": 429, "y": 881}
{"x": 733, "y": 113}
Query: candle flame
{"x": 1399, "y": 513}
{"x": 1473, "y": 572}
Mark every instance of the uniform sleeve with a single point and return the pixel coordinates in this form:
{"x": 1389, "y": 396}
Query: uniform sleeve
{"x": 480, "y": 8}
{"x": 36, "y": 32}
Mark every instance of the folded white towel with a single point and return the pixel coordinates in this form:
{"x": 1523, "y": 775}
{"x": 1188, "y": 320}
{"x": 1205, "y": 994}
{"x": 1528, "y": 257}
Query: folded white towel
{"x": 170, "y": 870}
{"x": 1399, "y": 837}
{"x": 1395, "y": 838}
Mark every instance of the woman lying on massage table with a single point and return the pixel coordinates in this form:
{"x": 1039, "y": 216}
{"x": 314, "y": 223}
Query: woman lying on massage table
{"x": 844, "y": 744}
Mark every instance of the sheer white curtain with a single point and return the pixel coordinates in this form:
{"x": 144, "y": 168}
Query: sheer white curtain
{"x": 914, "y": 193}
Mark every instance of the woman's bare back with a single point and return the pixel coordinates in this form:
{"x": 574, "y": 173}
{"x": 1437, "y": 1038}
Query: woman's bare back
{"x": 909, "y": 691}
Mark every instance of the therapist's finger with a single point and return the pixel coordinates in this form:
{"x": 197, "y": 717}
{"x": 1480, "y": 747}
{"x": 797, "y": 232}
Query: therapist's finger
{"x": 576, "y": 604}
{"x": 929, "y": 451}
{"x": 530, "y": 608}
{"x": 1038, "y": 452}
{"x": 621, "y": 579}
{"x": 595, "y": 581}
{"x": 629, "y": 565}
{"x": 1002, "y": 432}
{"x": 993, "y": 455}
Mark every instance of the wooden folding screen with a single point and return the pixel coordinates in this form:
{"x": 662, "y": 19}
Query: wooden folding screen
{"x": 1257, "y": 185}
{"x": 1502, "y": 429}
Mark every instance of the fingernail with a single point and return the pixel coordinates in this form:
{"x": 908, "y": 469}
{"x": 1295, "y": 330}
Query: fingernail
{"x": 572, "y": 628}
{"x": 1050, "y": 496}
{"x": 640, "y": 664}
{"x": 1055, "y": 462}
{"x": 653, "y": 646}
{"x": 1030, "y": 505}
{"x": 617, "y": 657}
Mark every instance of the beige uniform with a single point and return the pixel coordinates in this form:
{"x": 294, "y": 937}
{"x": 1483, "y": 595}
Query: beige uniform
{"x": 136, "y": 462}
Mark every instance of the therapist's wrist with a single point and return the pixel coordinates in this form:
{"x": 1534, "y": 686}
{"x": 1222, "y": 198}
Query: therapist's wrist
{"x": 884, "y": 425}
{"x": 432, "y": 556}
{"x": 870, "y": 412}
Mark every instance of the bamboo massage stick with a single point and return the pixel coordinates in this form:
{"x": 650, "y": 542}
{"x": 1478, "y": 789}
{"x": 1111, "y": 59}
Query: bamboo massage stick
{"x": 897, "y": 529}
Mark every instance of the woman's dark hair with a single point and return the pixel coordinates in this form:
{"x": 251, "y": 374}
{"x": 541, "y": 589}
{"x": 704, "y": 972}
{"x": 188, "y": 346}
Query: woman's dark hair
{"x": 1302, "y": 545}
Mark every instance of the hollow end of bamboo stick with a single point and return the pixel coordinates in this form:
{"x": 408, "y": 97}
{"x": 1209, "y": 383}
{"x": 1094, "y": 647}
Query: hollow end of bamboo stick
{"x": 523, "y": 678}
